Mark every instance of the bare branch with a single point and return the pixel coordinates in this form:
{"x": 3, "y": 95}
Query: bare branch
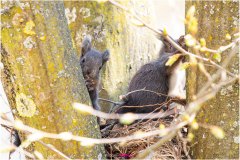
{"x": 51, "y": 147}
{"x": 155, "y": 146}
{"x": 90, "y": 110}
{"x": 93, "y": 141}
{"x": 178, "y": 47}
{"x": 106, "y": 100}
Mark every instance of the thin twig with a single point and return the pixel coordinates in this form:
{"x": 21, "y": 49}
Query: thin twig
{"x": 184, "y": 141}
{"x": 192, "y": 109}
{"x": 25, "y": 128}
{"x": 170, "y": 40}
{"x": 145, "y": 90}
{"x": 106, "y": 100}
{"x": 197, "y": 56}
{"x": 90, "y": 110}
{"x": 155, "y": 146}
{"x": 222, "y": 48}
{"x": 51, "y": 147}
{"x": 217, "y": 74}
{"x": 13, "y": 148}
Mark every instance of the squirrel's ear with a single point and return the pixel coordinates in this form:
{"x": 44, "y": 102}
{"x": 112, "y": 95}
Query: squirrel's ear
{"x": 86, "y": 45}
{"x": 181, "y": 42}
{"x": 168, "y": 46}
{"x": 105, "y": 56}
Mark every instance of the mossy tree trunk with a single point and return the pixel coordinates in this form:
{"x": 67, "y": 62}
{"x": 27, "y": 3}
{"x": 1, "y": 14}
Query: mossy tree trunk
{"x": 215, "y": 20}
{"x": 130, "y": 46}
{"x": 41, "y": 68}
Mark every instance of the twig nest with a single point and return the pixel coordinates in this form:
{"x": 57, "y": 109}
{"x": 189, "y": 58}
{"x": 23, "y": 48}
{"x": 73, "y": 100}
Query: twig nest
{"x": 129, "y": 149}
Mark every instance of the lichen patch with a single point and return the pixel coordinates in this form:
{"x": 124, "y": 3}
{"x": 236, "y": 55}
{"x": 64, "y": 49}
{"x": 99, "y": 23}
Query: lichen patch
{"x": 71, "y": 15}
{"x": 29, "y": 43}
{"x": 25, "y": 105}
{"x": 28, "y": 29}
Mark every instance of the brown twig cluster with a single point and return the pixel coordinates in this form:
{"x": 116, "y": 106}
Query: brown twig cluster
{"x": 170, "y": 150}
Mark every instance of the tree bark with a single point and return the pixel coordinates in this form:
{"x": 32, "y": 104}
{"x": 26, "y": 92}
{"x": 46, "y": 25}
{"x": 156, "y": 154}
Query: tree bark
{"x": 215, "y": 20}
{"x": 41, "y": 67}
{"x": 112, "y": 28}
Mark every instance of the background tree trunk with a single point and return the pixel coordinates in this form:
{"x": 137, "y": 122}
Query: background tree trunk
{"x": 130, "y": 46}
{"x": 41, "y": 66}
{"x": 215, "y": 20}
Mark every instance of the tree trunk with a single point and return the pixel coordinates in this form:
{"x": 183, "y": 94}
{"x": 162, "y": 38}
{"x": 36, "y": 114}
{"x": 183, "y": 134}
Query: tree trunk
{"x": 41, "y": 68}
{"x": 130, "y": 46}
{"x": 215, "y": 20}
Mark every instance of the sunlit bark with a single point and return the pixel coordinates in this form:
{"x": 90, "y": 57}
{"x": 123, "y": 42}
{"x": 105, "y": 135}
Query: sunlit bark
{"x": 42, "y": 76}
{"x": 215, "y": 20}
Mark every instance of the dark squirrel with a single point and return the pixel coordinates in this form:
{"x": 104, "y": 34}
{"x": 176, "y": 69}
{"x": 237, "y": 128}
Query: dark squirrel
{"x": 157, "y": 78}
{"x": 91, "y": 62}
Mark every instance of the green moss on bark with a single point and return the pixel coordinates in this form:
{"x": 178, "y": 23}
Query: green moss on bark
{"x": 215, "y": 20}
{"x": 44, "y": 67}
